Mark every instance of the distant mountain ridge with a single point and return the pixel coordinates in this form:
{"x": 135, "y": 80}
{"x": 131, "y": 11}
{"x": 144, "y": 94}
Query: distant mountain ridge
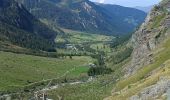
{"x": 127, "y": 14}
{"x": 83, "y": 15}
{"x": 145, "y": 9}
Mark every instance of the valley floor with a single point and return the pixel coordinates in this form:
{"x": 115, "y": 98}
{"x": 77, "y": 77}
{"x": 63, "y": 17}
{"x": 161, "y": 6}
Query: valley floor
{"x": 18, "y": 70}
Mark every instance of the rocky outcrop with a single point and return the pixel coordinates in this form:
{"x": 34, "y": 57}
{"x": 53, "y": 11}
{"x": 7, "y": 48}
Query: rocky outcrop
{"x": 154, "y": 91}
{"x": 149, "y": 36}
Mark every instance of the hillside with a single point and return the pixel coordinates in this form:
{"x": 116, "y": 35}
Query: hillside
{"x": 19, "y": 27}
{"x": 83, "y": 15}
{"x": 147, "y": 74}
{"x": 130, "y": 16}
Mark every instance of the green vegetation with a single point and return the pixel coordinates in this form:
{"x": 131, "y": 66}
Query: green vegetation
{"x": 99, "y": 88}
{"x": 76, "y": 37}
{"x": 18, "y": 70}
{"x": 93, "y": 71}
{"x": 85, "y": 43}
{"x": 34, "y": 61}
{"x": 82, "y": 70}
{"x": 101, "y": 47}
{"x": 19, "y": 27}
{"x": 70, "y": 14}
{"x": 158, "y": 19}
{"x": 121, "y": 55}
{"x": 101, "y": 85}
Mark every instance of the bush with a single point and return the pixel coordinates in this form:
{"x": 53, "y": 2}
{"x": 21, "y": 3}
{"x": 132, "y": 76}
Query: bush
{"x": 93, "y": 71}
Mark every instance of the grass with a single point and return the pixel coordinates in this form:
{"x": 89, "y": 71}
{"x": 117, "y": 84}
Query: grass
{"x": 79, "y": 71}
{"x": 19, "y": 69}
{"x": 98, "y": 89}
{"x": 158, "y": 19}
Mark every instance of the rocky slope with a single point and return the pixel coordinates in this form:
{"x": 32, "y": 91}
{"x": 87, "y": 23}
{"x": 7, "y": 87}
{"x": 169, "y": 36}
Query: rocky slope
{"x": 84, "y": 15}
{"x": 149, "y": 36}
{"x": 147, "y": 75}
{"x": 153, "y": 91}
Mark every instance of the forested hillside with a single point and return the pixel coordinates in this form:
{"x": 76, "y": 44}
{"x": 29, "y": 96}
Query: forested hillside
{"x": 87, "y": 16}
{"x": 20, "y": 28}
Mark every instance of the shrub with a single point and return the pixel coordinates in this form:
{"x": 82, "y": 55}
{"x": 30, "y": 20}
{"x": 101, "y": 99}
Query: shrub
{"x": 93, "y": 71}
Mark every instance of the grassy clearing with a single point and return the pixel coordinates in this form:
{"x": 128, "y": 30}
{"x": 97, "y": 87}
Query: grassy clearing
{"x": 18, "y": 69}
{"x": 82, "y": 70}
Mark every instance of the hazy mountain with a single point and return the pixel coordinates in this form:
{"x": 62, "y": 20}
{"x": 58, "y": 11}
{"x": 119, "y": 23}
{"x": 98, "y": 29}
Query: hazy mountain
{"x": 145, "y": 9}
{"x": 133, "y": 17}
{"x": 84, "y": 15}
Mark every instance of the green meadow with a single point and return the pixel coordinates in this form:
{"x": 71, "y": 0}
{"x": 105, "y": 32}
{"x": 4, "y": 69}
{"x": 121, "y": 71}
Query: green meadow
{"x": 18, "y": 69}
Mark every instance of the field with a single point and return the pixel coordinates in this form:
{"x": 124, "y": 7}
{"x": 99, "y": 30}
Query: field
{"x": 18, "y": 69}
{"x": 90, "y": 42}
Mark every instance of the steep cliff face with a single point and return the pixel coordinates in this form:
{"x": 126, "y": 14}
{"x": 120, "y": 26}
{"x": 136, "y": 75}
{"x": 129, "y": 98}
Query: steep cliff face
{"x": 148, "y": 74}
{"x": 149, "y": 36}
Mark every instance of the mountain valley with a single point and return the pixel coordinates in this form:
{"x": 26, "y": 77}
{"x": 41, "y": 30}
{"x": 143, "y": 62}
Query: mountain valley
{"x": 81, "y": 50}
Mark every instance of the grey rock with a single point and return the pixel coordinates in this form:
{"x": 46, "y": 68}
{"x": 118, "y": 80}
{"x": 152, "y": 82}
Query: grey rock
{"x": 152, "y": 92}
{"x": 147, "y": 39}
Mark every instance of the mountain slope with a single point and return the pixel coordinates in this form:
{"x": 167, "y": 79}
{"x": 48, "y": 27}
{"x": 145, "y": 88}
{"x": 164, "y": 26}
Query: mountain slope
{"x": 131, "y": 16}
{"x": 147, "y": 76}
{"x": 81, "y": 15}
{"x": 21, "y": 28}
